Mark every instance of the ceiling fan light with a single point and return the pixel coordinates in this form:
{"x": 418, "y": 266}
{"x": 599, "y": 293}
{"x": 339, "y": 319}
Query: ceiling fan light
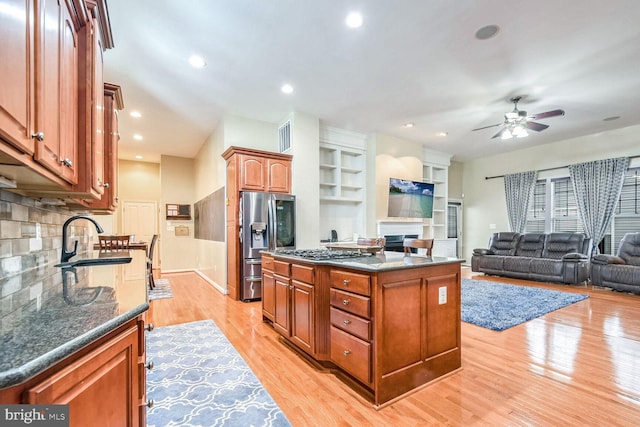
{"x": 520, "y": 132}
{"x": 506, "y": 134}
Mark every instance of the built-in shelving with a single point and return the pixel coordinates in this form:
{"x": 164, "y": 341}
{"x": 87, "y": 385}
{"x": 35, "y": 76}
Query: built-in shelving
{"x": 437, "y": 172}
{"x": 342, "y": 161}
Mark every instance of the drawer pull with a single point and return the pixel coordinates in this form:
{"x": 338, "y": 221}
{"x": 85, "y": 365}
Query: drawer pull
{"x": 149, "y": 327}
{"x": 346, "y": 322}
{"x": 345, "y": 301}
{"x": 347, "y": 352}
{"x": 149, "y": 403}
{"x": 346, "y": 282}
{"x": 149, "y": 365}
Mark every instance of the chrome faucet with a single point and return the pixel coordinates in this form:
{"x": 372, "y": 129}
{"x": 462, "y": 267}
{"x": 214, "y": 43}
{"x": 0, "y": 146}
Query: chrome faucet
{"x": 66, "y": 256}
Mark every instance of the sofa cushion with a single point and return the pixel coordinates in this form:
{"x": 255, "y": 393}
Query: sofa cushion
{"x": 504, "y": 243}
{"x": 559, "y": 244}
{"x": 629, "y": 249}
{"x": 530, "y": 245}
{"x": 546, "y": 267}
{"x": 517, "y": 264}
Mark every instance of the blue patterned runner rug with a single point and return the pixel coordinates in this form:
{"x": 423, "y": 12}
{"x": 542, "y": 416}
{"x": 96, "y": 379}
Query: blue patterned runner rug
{"x": 499, "y": 306}
{"x": 199, "y": 379}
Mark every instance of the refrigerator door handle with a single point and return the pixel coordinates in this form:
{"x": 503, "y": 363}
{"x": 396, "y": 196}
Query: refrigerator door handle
{"x": 271, "y": 215}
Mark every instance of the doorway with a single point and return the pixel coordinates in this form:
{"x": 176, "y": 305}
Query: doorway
{"x": 454, "y": 223}
{"x": 141, "y": 220}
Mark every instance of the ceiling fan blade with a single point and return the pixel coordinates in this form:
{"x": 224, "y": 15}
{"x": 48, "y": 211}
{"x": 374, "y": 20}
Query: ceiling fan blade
{"x": 499, "y": 134}
{"x": 486, "y": 127}
{"x": 547, "y": 114}
{"x": 536, "y": 126}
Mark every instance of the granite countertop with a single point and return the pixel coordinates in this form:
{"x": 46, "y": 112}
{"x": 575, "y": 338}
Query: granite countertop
{"x": 48, "y": 313}
{"x": 381, "y": 261}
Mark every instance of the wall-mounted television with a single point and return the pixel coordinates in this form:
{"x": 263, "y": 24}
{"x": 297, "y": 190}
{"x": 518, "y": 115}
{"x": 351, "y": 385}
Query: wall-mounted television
{"x": 410, "y": 199}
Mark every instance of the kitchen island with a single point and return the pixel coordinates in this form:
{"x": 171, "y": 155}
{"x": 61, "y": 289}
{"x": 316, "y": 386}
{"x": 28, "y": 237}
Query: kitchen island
{"x": 75, "y": 335}
{"x": 385, "y": 323}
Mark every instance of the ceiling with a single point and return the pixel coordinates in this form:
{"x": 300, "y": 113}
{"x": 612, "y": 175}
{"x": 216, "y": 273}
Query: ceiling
{"x": 418, "y": 61}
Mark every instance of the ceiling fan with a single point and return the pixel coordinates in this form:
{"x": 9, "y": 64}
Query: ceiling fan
{"x": 517, "y": 122}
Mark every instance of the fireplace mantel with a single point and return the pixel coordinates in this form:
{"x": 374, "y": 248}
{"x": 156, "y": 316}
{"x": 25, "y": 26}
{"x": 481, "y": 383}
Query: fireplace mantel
{"x": 388, "y": 227}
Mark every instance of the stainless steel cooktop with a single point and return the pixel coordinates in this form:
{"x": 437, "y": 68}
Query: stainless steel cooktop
{"x": 320, "y": 253}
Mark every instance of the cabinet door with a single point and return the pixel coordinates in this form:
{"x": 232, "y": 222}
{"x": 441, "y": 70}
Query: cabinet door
{"x": 302, "y": 319}
{"x": 282, "y": 311}
{"x": 108, "y": 375}
{"x": 97, "y": 111}
{"x": 268, "y": 295}
{"x": 56, "y": 82}
{"x": 252, "y": 173}
{"x": 16, "y": 76}
{"x": 279, "y": 176}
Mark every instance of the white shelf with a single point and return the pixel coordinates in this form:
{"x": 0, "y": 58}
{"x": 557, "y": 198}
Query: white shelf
{"x": 437, "y": 174}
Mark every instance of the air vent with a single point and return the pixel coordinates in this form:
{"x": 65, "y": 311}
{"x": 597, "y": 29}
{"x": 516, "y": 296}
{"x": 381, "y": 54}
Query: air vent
{"x": 284, "y": 137}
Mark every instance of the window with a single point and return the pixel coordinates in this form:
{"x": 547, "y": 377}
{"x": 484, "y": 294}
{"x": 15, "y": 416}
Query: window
{"x": 562, "y": 216}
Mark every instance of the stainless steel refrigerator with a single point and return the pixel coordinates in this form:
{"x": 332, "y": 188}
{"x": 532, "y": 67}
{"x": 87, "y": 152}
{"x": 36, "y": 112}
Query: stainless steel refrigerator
{"x": 267, "y": 222}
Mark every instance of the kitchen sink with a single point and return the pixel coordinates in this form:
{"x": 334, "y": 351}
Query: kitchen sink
{"x": 95, "y": 261}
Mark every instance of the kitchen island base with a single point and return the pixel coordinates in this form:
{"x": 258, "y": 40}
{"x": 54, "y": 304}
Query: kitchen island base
{"x": 385, "y": 324}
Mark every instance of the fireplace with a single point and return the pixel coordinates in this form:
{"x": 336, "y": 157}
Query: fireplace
{"x": 394, "y": 242}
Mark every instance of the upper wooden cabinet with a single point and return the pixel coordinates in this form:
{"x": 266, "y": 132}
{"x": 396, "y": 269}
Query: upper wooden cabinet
{"x": 51, "y": 97}
{"x": 112, "y": 104}
{"x": 260, "y": 170}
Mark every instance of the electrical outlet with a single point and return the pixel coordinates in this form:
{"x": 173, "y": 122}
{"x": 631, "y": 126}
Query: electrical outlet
{"x": 442, "y": 295}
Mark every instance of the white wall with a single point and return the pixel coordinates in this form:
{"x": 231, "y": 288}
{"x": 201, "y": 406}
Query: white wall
{"x": 484, "y": 200}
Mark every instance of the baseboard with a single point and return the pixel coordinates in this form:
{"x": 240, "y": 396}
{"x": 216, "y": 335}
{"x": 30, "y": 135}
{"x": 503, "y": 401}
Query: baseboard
{"x": 212, "y": 282}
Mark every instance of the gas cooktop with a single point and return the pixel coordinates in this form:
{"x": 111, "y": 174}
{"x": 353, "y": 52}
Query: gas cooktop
{"x": 320, "y": 253}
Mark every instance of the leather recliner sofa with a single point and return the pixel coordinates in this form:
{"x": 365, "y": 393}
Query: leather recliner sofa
{"x": 552, "y": 257}
{"x": 622, "y": 271}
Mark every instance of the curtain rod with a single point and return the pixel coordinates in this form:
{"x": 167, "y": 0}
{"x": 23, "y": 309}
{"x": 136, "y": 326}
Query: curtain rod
{"x": 550, "y": 169}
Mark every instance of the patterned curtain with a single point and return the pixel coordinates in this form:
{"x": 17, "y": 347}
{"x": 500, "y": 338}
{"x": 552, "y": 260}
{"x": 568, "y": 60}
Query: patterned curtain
{"x": 597, "y": 186}
{"x": 518, "y": 190}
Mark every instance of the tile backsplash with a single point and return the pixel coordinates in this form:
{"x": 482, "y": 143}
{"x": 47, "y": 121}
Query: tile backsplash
{"x": 31, "y": 233}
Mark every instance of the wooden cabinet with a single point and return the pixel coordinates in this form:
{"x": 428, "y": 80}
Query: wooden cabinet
{"x": 351, "y": 323}
{"x": 56, "y": 87}
{"x": 51, "y": 97}
{"x": 112, "y": 104}
{"x": 249, "y": 170}
{"x": 290, "y": 303}
{"x": 103, "y": 384}
{"x": 17, "y": 77}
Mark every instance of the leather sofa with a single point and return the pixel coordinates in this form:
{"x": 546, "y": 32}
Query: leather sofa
{"x": 552, "y": 257}
{"x": 622, "y": 271}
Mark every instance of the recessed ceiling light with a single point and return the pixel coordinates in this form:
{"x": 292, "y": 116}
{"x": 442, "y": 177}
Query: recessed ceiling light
{"x": 609, "y": 119}
{"x": 408, "y": 125}
{"x": 443, "y": 133}
{"x": 286, "y": 88}
{"x": 135, "y": 114}
{"x": 487, "y": 32}
{"x": 354, "y": 20}
{"x": 137, "y": 137}
{"x": 138, "y": 157}
{"x": 197, "y": 61}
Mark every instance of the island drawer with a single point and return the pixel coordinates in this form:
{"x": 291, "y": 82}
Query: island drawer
{"x": 302, "y": 273}
{"x": 282, "y": 268}
{"x": 352, "y": 282}
{"x": 267, "y": 262}
{"x": 350, "y": 302}
{"x": 351, "y": 354}
{"x": 350, "y": 323}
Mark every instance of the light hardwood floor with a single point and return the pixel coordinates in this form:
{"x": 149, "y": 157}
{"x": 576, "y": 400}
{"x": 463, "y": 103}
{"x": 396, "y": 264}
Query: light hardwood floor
{"x": 577, "y": 366}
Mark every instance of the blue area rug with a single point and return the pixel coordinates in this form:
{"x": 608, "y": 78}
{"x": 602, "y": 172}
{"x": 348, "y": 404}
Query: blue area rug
{"x": 162, "y": 290}
{"x": 199, "y": 379}
{"x": 499, "y": 306}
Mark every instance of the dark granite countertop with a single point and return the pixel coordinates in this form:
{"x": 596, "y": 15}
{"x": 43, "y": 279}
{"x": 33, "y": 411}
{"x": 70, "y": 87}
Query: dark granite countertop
{"x": 381, "y": 261}
{"x": 48, "y": 313}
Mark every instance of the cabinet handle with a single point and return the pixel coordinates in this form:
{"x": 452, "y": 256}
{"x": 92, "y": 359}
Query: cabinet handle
{"x": 149, "y": 403}
{"x": 38, "y": 135}
{"x": 290, "y": 286}
{"x": 67, "y": 162}
{"x": 149, "y": 327}
{"x": 105, "y": 185}
{"x": 345, "y": 301}
{"x": 346, "y": 322}
{"x": 346, "y": 282}
{"x": 347, "y": 352}
{"x": 149, "y": 365}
